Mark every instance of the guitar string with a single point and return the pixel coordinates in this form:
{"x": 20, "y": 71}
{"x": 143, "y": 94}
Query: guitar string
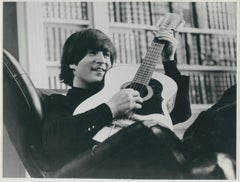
{"x": 145, "y": 70}
{"x": 145, "y": 66}
{"x": 155, "y": 50}
{"x": 149, "y": 60}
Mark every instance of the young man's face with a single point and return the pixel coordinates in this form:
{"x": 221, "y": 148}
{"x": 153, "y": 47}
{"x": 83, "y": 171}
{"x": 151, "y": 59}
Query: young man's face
{"x": 91, "y": 68}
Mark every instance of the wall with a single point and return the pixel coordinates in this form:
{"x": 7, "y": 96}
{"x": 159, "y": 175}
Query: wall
{"x": 12, "y": 166}
{"x": 10, "y": 36}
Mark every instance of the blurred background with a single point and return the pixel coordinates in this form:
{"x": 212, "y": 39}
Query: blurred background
{"x": 34, "y": 33}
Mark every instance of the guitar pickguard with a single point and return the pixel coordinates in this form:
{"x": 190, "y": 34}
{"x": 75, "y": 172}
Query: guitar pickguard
{"x": 154, "y": 103}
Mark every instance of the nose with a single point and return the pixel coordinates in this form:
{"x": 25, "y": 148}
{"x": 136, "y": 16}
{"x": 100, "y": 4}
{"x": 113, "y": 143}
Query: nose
{"x": 100, "y": 58}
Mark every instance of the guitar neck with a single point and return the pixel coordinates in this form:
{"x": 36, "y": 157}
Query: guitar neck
{"x": 149, "y": 63}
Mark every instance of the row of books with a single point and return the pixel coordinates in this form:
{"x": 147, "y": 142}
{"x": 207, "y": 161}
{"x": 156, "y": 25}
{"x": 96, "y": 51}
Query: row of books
{"x": 208, "y": 87}
{"x": 193, "y": 49}
{"x": 206, "y": 49}
{"x": 66, "y": 10}
{"x": 137, "y": 12}
{"x": 55, "y": 37}
{"x": 216, "y": 15}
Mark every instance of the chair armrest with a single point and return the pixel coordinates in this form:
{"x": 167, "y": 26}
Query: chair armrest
{"x": 52, "y": 91}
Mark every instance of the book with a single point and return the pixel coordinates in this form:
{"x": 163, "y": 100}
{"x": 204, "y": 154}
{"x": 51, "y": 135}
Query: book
{"x": 210, "y": 15}
{"x": 226, "y": 51}
{"x": 221, "y": 51}
{"x": 134, "y": 13}
{"x": 116, "y": 44}
{"x": 73, "y": 14}
{"x": 181, "y": 49}
{"x": 208, "y": 88}
{"x": 202, "y": 49}
{"x": 79, "y": 10}
{"x": 111, "y": 12}
{"x": 128, "y": 7}
{"x": 152, "y": 13}
{"x": 50, "y": 43}
{"x": 219, "y": 14}
{"x": 140, "y": 13}
{"x": 57, "y": 45}
{"x": 224, "y": 16}
{"x": 122, "y": 9}
{"x": 142, "y": 43}
{"x": 193, "y": 89}
{"x": 136, "y": 41}
{"x": 122, "y": 42}
{"x": 231, "y": 9}
{"x": 84, "y": 6}
{"x": 192, "y": 49}
{"x": 202, "y": 84}
{"x": 128, "y": 47}
{"x": 215, "y": 50}
{"x": 201, "y": 15}
{"x": 133, "y": 48}
{"x": 63, "y": 38}
{"x": 146, "y": 12}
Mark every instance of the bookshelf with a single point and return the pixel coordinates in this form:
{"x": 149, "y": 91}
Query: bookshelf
{"x": 60, "y": 20}
{"x": 207, "y": 44}
{"x": 206, "y": 50}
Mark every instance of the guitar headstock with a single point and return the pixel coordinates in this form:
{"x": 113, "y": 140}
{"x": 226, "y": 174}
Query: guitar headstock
{"x": 170, "y": 21}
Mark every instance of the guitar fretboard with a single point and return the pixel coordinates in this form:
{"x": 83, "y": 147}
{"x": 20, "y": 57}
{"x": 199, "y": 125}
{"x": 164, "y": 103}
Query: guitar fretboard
{"x": 149, "y": 63}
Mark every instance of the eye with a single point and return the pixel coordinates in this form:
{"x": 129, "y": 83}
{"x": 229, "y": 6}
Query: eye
{"x": 106, "y": 54}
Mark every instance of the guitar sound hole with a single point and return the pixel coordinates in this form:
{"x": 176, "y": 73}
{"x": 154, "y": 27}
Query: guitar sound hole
{"x": 142, "y": 89}
{"x": 145, "y": 92}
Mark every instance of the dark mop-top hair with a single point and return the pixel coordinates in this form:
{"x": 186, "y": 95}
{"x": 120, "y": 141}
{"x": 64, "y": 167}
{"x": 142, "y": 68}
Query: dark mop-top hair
{"x": 76, "y": 47}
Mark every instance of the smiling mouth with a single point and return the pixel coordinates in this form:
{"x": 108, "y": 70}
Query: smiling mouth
{"x": 99, "y": 69}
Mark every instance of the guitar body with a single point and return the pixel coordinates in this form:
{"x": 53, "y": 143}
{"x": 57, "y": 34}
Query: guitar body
{"x": 159, "y": 95}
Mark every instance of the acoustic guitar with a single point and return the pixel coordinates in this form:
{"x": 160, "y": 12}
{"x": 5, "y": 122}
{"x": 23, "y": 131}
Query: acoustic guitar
{"x": 157, "y": 90}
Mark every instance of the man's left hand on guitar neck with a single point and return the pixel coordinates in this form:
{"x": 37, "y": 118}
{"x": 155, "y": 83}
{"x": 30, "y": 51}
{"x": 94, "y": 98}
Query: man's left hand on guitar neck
{"x": 167, "y": 38}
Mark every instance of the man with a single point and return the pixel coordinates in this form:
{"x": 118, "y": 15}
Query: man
{"x": 87, "y": 56}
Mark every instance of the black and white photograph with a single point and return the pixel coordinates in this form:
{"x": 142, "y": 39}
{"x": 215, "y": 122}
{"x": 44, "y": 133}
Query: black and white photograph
{"x": 132, "y": 90}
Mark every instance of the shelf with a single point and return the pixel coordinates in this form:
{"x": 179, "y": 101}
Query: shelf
{"x": 184, "y": 30}
{"x": 206, "y": 68}
{"x": 66, "y": 21}
{"x": 203, "y": 68}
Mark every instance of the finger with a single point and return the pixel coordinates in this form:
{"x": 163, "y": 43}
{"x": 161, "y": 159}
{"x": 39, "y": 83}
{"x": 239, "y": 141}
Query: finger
{"x": 138, "y": 100}
{"x": 135, "y": 93}
{"x": 132, "y": 91}
{"x": 137, "y": 106}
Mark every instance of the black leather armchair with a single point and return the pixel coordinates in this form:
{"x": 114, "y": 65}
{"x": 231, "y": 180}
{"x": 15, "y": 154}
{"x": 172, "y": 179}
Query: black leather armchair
{"x": 23, "y": 111}
{"x": 23, "y": 114}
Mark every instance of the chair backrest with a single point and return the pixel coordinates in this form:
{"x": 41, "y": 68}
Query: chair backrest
{"x": 22, "y": 113}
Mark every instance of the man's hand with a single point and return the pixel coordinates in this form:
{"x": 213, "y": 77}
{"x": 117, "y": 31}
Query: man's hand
{"x": 167, "y": 38}
{"x": 125, "y": 101}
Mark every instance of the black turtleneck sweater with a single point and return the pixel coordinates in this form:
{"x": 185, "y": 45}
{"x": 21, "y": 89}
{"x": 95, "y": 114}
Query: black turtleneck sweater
{"x": 65, "y": 135}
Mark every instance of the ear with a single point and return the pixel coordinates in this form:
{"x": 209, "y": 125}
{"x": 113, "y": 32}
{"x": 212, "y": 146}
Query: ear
{"x": 72, "y": 66}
